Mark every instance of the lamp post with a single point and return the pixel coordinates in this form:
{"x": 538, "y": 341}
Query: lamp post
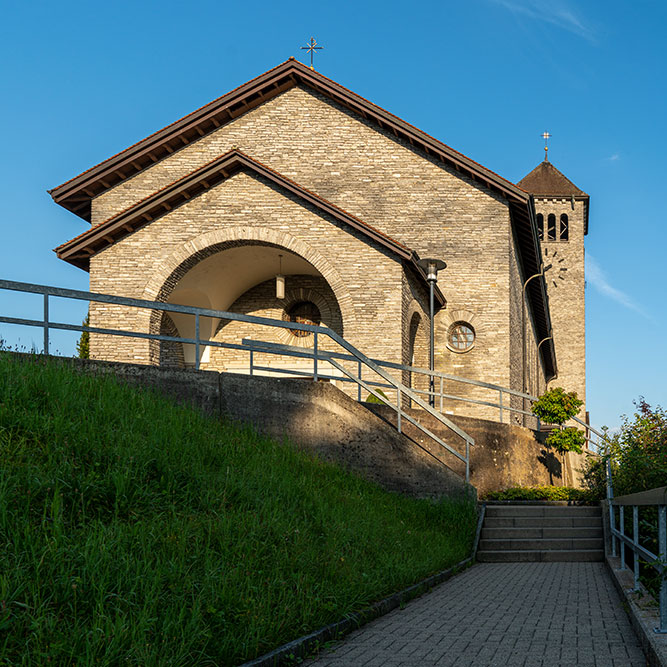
{"x": 431, "y": 267}
{"x": 537, "y": 378}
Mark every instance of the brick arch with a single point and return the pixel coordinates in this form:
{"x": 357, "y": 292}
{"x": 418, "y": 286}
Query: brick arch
{"x": 166, "y": 273}
{"x": 416, "y": 344}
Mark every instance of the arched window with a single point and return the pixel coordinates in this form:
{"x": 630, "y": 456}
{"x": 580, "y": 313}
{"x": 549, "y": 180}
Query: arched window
{"x": 540, "y": 226}
{"x": 564, "y": 227}
{"x": 302, "y": 312}
{"x": 551, "y": 227}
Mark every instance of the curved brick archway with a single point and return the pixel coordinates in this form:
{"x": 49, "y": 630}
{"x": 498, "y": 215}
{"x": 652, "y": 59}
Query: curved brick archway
{"x": 167, "y": 274}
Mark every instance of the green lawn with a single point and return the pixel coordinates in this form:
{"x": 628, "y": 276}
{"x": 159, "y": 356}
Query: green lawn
{"x": 133, "y": 531}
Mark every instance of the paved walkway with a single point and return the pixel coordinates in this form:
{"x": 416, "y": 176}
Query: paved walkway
{"x": 528, "y": 614}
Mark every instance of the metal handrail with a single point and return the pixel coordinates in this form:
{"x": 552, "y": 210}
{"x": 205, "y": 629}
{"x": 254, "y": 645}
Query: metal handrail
{"x": 278, "y": 348}
{"x": 656, "y": 497}
{"x": 197, "y": 341}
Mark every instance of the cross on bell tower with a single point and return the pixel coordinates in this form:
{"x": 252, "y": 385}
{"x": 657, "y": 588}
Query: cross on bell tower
{"x": 546, "y": 136}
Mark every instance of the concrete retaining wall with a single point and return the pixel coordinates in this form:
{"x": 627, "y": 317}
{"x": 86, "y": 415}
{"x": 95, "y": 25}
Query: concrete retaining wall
{"x": 315, "y": 416}
{"x": 321, "y": 419}
{"x": 504, "y": 455}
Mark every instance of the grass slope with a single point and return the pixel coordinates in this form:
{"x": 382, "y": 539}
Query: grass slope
{"x": 138, "y": 532}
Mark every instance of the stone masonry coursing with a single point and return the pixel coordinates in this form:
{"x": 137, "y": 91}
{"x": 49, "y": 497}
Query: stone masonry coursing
{"x": 248, "y": 203}
{"x": 566, "y": 291}
{"x": 369, "y": 173}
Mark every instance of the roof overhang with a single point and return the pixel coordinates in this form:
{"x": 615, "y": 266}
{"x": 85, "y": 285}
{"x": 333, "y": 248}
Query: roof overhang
{"x": 525, "y": 229}
{"x": 80, "y": 249}
{"x": 77, "y": 193}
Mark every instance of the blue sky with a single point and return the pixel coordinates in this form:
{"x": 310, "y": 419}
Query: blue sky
{"x": 82, "y": 81}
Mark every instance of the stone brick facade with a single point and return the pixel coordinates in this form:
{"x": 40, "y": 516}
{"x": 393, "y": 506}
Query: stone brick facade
{"x": 566, "y": 284}
{"x": 382, "y": 303}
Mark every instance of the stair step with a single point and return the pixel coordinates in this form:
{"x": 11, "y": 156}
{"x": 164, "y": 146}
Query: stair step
{"x": 549, "y": 511}
{"x": 542, "y": 522}
{"x": 555, "y": 556}
{"x": 539, "y": 533}
{"x": 576, "y": 544}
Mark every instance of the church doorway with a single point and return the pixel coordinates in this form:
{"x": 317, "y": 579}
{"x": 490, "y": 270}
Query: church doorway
{"x": 241, "y": 277}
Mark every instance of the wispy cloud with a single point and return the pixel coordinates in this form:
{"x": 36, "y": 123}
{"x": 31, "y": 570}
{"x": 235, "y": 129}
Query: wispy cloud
{"x": 554, "y": 12}
{"x": 614, "y": 157}
{"x": 597, "y": 277}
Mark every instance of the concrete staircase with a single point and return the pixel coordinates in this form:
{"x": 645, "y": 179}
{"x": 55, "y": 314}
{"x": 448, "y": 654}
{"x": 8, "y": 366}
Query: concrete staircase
{"x": 546, "y": 533}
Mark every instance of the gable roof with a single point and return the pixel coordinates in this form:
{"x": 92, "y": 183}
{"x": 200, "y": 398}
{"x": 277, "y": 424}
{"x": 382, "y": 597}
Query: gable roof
{"x": 546, "y": 181}
{"x": 80, "y": 249}
{"x": 77, "y": 193}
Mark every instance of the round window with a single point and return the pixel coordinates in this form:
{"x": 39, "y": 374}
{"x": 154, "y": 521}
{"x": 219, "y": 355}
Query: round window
{"x": 302, "y": 312}
{"x": 461, "y": 337}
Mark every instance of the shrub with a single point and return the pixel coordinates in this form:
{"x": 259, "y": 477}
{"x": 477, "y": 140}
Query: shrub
{"x": 83, "y": 345}
{"x": 540, "y": 493}
{"x": 566, "y": 440}
{"x": 556, "y": 407}
{"x": 637, "y": 453}
{"x": 372, "y": 398}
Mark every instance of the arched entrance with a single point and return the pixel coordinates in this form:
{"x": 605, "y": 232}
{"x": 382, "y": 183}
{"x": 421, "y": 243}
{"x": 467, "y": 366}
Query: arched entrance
{"x": 239, "y": 276}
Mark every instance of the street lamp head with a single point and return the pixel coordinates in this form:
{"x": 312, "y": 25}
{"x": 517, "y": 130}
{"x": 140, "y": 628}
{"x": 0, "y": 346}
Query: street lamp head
{"x": 431, "y": 267}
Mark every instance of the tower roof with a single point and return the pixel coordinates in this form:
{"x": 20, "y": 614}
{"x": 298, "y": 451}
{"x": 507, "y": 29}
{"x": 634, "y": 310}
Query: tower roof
{"x": 546, "y": 181}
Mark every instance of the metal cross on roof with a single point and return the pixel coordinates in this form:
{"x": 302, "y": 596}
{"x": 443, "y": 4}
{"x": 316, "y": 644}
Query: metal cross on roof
{"x": 546, "y": 136}
{"x": 311, "y": 47}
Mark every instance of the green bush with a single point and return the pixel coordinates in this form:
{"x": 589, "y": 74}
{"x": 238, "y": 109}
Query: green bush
{"x": 541, "y": 493}
{"x": 556, "y": 407}
{"x": 372, "y": 398}
{"x": 83, "y": 344}
{"x": 566, "y": 440}
{"x": 637, "y": 454}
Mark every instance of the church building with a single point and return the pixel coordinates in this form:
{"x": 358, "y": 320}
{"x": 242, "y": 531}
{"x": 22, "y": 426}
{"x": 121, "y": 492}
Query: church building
{"x": 291, "y": 174}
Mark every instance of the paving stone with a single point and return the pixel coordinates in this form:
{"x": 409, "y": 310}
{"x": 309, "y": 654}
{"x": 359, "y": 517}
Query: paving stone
{"x": 505, "y": 614}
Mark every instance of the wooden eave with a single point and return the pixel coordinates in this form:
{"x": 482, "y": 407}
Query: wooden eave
{"x": 77, "y": 193}
{"x": 78, "y": 250}
{"x": 530, "y": 256}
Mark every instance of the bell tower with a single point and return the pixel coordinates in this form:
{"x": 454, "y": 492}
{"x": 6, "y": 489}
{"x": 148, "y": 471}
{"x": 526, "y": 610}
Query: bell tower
{"x": 562, "y": 221}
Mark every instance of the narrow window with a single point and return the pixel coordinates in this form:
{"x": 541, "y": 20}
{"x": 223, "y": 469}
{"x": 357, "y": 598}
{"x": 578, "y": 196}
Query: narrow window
{"x": 551, "y": 227}
{"x": 564, "y": 231}
{"x": 540, "y": 226}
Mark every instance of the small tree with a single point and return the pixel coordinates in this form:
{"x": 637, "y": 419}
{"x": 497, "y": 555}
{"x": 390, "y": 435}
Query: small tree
{"x": 556, "y": 407}
{"x": 83, "y": 346}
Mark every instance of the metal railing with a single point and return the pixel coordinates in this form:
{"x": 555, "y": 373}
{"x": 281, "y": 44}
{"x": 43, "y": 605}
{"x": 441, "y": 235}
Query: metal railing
{"x": 619, "y": 540}
{"x": 595, "y": 440}
{"x": 403, "y": 393}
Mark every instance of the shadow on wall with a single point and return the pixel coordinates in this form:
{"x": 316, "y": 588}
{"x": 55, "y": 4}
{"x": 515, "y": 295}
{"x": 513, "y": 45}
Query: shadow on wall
{"x": 552, "y": 463}
{"x": 321, "y": 419}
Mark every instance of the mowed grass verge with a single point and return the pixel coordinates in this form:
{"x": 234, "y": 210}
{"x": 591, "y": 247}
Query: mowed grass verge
{"x": 134, "y": 531}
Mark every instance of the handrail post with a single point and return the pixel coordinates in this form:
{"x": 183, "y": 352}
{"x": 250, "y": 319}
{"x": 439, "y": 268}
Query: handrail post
{"x": 441, "y": 392}
{"x": 398, "y": 403}
{"x": 46, "y": 323}
{"x": 315, "y": 358}
{"x": 500, "y": 404}
{"x": 621, "y": 521}
{"x": 635, "y": 541}
{"x": 467, "y": 461}
{"x": 610, "y": 497}
{"x": 360, "y": 370}
{"x": 197, "y": 341}
{"x": 612, "y": 520}
{"x": 252, "y": 360}
{"x": 662, "y": 555}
